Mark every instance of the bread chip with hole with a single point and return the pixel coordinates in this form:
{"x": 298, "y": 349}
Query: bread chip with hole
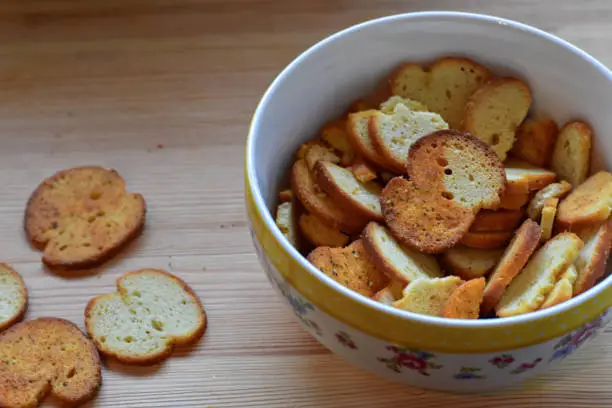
{"x": 589, "y": 203}
{"x": 319, "y": 203}
{"x": 83, "y": 216}
{"x": 553, "y": 190}
{"x": 393, "y": 134}
{"x": 536, "y": 177}
{"x": 351, "y": 267}
{"x": 285, "y": 221}
{"x": 151, "y": 312}
{"x": 494, "y": 112}
{"x": 535, "y": 140}
{"x": 592, "y": 260}
{"x": 321, "y": 234}
{"x": 342, "y": 186}
{"x": 548, "y": 218}
{"x": 486, "y": 240}
{"x": 469, "y": 263}
{"x": 400, "y": 263}
{"x": 461, "y": 167}
{"x": 444, "y": 87}
{"x": 529, "y": 289}
{"x": 464, "y": 302}
{"x": 47, "y": 356}
{"x": 358, "y": 130}
{"x": 428, "y": 296}
{"x": 13, "y": 297}
{"x": 501, "y": 220}
{"x": 422, "y": 219}
{"x": 563, "y": 290}
{"x": 516, "y": 255}
{"x": 571, "y": 158}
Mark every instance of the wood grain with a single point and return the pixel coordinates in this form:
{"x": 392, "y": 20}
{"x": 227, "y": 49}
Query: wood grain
{"x": 163, "y": 91}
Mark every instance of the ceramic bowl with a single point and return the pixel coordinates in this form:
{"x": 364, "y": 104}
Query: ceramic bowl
{"x": 423, "y": 351}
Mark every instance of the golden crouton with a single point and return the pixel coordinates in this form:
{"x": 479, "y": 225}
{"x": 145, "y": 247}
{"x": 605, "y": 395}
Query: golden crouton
{"x": 464, "y": 302}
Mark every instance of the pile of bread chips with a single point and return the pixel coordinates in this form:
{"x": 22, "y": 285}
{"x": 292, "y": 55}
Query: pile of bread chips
{"x": 444, "y": 195}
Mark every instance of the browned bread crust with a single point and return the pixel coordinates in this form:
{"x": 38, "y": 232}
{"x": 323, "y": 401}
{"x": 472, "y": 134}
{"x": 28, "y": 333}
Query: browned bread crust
{"x": 351, "y": 267}
{"x": 535, "y": 139}
{"x": 465, "y": 301}
{"x": 316, "y": 201}
{"x": 515, "y": 257}
{"x": 460, "y": 166}
{"x": 592, "y": 260}
{"x": 502, "y": 220}
{"x": 83, "y": 216}
{"x": 12, "y": 290}
{"x": 587, "y": 204}
{"x": 422, "y": 219}
{"x": 486, "y": 240}
{"x": 342, "y": 186}
{"x": 513, "y": 201}
{"x": 358, "y": 131}
{"x": 47, "y": 356}
{"x": 470, "y": 263}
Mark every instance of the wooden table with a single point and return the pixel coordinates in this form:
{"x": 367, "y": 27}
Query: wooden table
{"x": 163, "y": 91}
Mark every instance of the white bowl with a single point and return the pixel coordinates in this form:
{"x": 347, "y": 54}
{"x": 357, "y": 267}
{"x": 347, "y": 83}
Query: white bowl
{"x": 423, "y": 351}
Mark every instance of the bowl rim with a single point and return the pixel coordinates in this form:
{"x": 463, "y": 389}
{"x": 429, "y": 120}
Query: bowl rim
{"x": 253, "y": 185}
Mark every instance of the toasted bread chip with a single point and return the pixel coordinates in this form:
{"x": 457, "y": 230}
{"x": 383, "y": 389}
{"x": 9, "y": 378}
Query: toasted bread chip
{"x": 513, "y": 260}
{"x": 362, "y": 170}
{"x": 516, "y": 185}
{"x": 548, "y": 218}
{"x": 321, "y": 234}
{"x": 360, "y": 105}
{"x": 428, "y": 296}
{"x": 390, "y": 293}
{"x": 421, "y": 219}
{"x": 591, "y": 263}
{"x": 501, "y": 220}
{"x": 469, "y": 263}
{"x": 152, "y": 312}
{"x": 529, "y": 289}
{"x": 358, "y": 131}
{"x": 334, "y": 134}
{"x": 393, "y": 134}
{"x": 83, "y": 216}
{"x": 486, "y": 240}
{"x": 444, "y": 87}
{"x": 285, "y": 195}
{"x": 535, "y": 140}
{"x": 305, "y": 147}
{"x": 463, "y": 168}
{"x": 400, "y": 263}
{"x": 13, "y": 297}
{"x": 536, "y": 177}
{"x": 316, "y": 201}
{"x": 47, "y": 356}
{"x": 589, "y": 203}
{"x": 563, "y": 290}
{"x": 390, "y": 104}
{"x": 513, "y": 202}
{"x": 285, "y": 221}
{"x": 464, "y": 303}
{"x": 572, "y": 153}
{"x": 554, "y": 190}
{"x": 320, "y": 153}
{"x": 494, "y": 112}
{"x": 341, "y": 185}
{"x": 350, "y": 267}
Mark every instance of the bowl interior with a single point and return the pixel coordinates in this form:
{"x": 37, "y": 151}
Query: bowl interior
{"x": 321, "y": 83}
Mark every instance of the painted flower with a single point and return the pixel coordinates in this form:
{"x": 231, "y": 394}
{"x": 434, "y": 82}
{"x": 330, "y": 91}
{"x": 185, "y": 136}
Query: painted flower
{"x": 416, "y": 360}
{"x": 526, "y": 366}
{"x": 344, "y": 339}
{"x": 569, "y": 343}
{"x": 468, "y": 373}
{"x": 502, "y": 361}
